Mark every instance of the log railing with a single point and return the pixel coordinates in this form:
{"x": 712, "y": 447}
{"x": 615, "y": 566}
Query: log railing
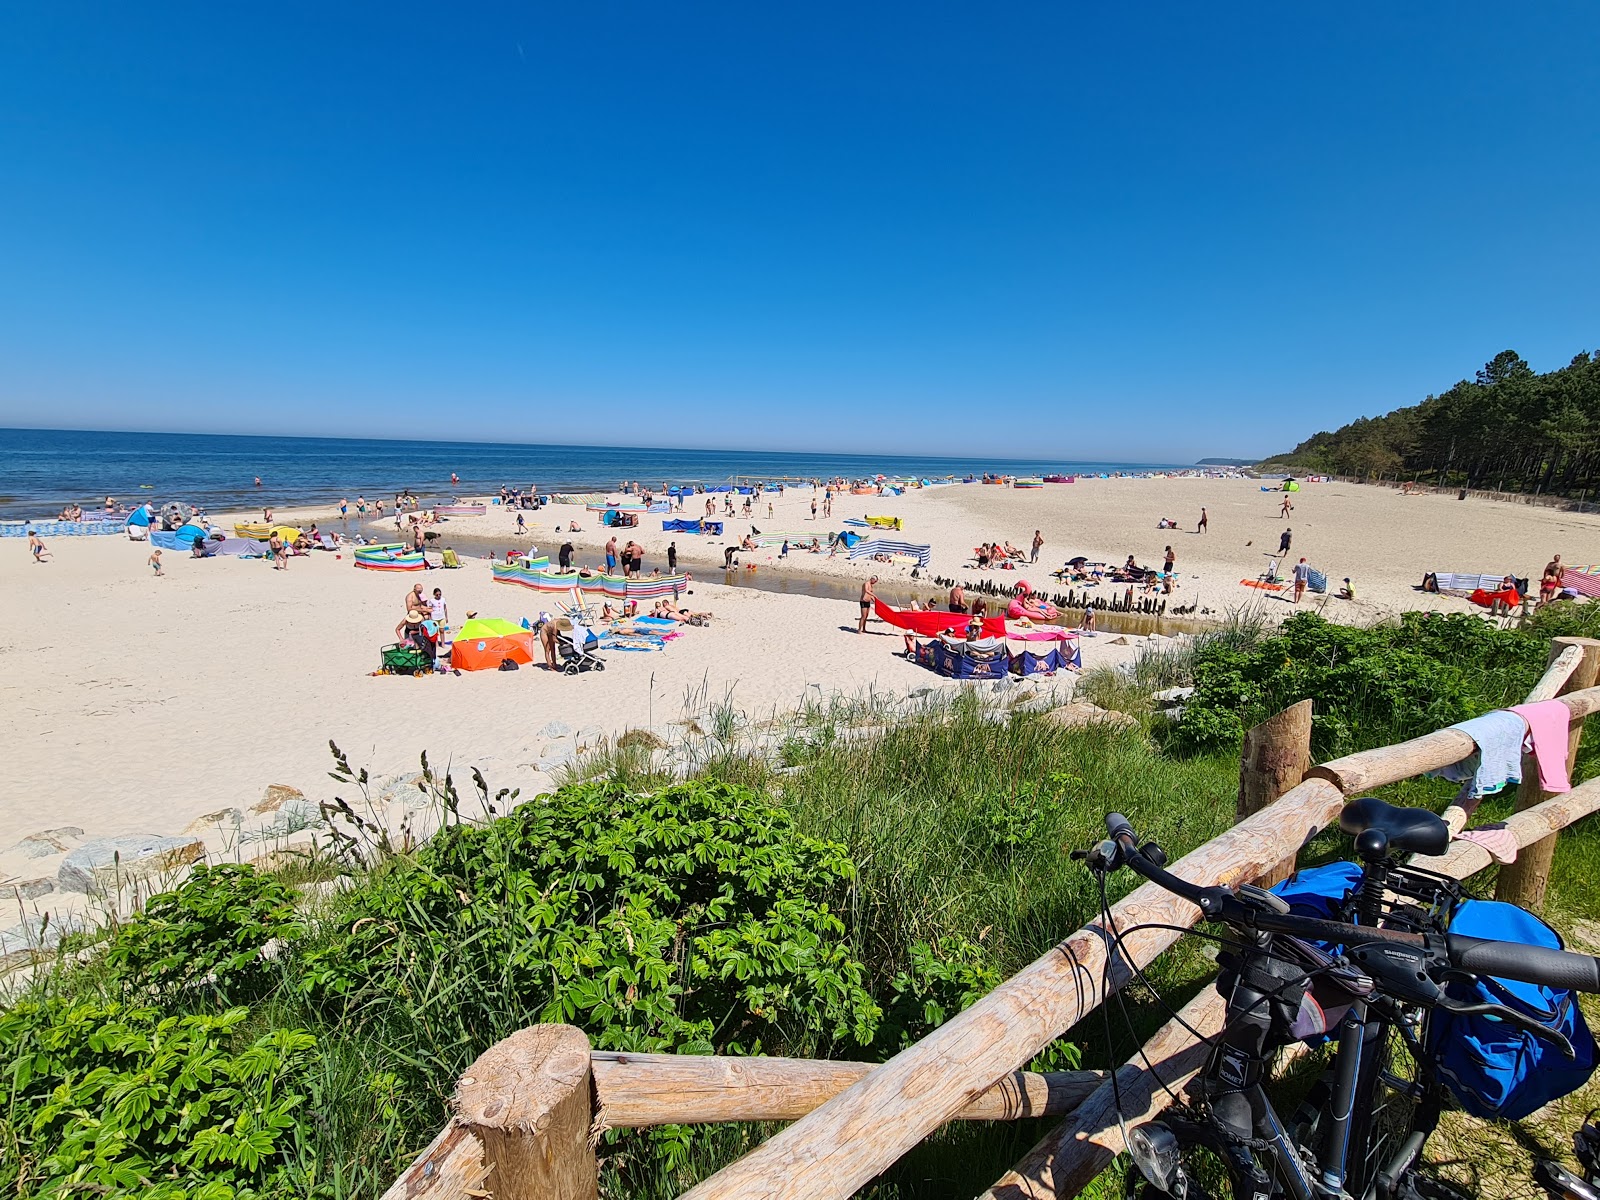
{"x": 528, "y": 1112}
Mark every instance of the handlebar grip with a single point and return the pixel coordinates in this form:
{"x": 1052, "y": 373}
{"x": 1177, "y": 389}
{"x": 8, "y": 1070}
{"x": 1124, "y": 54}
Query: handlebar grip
{"x": 1531, "y": 964}
{"x": 1117, "y": 825}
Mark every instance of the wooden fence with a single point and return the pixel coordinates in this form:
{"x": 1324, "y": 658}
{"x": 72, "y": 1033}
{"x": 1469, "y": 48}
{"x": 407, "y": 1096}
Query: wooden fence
{"x": 528, "y": 1113}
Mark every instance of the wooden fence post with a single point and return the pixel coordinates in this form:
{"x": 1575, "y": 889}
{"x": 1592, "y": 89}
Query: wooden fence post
{"x": 1276, "y": 756}
{"x": 1524, "y": 881}
{"x": 527, "y": 1101}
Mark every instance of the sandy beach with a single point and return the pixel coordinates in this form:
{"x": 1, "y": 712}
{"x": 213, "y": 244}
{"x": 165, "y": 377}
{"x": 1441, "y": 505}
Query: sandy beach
{"x": 1383, "y": 541}
{"x": 140, "y": 705}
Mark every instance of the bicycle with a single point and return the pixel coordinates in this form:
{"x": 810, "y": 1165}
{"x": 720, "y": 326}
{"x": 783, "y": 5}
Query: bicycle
{"x": 1377, "y": 974}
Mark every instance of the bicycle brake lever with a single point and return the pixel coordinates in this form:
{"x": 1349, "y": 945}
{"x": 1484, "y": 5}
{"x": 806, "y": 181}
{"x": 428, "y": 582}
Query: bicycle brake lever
{"x": 1512, "y": 1017}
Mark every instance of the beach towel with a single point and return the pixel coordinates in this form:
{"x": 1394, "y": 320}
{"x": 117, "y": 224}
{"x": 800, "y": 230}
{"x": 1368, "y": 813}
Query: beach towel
{"x": 1498, "y": 759}
{"x": 1499, "y": 841}
{"x": 1489, "y": 599}
{"x": 1549, "y": 723}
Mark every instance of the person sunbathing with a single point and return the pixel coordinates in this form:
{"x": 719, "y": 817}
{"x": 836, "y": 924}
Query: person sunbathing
{"x": 665, "y": 612}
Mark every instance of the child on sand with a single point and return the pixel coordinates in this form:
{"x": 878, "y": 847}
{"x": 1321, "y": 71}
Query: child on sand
{"x": 37, "y": 547}
{"x": 155, "y": 562}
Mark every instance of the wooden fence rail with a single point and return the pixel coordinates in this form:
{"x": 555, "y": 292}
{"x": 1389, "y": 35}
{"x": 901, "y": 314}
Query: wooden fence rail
{"x": 516, "y": 1117}
{"x": 633, "y": 1091}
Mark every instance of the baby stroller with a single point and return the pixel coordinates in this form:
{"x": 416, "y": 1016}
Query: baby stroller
{"x": 577, "y": 657}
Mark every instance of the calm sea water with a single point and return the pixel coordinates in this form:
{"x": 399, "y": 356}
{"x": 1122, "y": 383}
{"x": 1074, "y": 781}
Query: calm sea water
{"x": 42, "y": 469}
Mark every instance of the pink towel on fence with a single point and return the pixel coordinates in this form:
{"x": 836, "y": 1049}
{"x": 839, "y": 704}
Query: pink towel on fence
{"x": 1549, "y": 722}
{"x": 1499, "y": 841}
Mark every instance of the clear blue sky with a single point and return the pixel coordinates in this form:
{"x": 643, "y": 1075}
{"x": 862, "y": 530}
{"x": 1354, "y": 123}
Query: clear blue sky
{"x": 1096, "y": 231}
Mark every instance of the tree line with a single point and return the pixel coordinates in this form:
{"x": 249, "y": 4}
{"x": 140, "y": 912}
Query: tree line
{"x": 1510, "y": 429}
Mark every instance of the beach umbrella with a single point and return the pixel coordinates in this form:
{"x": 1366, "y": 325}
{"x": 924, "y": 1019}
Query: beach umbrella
{"x": 483, "y": 643}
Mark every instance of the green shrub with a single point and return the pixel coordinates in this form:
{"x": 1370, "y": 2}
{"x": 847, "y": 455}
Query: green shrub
{"x": 1369, "y": 686}
{"x": 210, "y": 933}
{"x": 691, "y": 918}
{"x": 109, "y": 1099}
{"x": 941, "y": 980}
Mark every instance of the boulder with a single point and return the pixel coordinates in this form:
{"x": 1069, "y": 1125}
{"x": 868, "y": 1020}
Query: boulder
{"x": 49, "y": 841}
{"x": 32, "y": 889}
{"x": 275, "y": 797}
{"x": 36, "y": 934}
{"x": 1079, "y": 715}
{"x": 641, "y": 737}
{"x": 221, "y": 819}
{"x": 98, "y": 866}
{"x": 556, "y": 729}
{"x": 295, "y": 815}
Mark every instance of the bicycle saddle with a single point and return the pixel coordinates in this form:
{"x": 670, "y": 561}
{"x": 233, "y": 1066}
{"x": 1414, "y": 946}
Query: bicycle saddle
{"x": 1379, "y": 828}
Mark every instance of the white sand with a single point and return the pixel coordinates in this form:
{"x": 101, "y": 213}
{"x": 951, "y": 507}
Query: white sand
{"x": 135, "y": 704}
{"x": 1383, "y": 541}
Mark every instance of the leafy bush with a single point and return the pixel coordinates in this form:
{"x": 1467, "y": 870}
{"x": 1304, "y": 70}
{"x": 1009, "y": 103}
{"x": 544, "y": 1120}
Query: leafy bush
{"x": 691, "y": 918}
{"x": 1368, "y": 686}
{"x": 941, "y": 980}
{"x": 210, "y": 932}
{"x": 108, "y": 1099}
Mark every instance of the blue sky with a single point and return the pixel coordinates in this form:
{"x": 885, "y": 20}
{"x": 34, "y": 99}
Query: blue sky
{"x": 1161, "y": 232}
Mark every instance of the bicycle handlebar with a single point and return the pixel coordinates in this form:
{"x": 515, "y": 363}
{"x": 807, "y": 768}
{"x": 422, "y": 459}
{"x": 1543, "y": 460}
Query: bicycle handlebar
{"x": 1507, "y": 960}
{"x": 1534, "y": 964}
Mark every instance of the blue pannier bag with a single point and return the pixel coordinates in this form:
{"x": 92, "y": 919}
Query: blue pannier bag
{"x": 1320, "y": 891}
{"x": 1492, "y": 1068}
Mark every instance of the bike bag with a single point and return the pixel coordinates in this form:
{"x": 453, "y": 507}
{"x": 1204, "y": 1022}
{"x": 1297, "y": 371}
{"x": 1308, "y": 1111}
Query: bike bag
{"x": 1302, "y": 1011}
{"x": 1493, "y": 1069}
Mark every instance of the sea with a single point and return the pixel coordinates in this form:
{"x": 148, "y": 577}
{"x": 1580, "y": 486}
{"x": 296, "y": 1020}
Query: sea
{"x": 43, "y": 469}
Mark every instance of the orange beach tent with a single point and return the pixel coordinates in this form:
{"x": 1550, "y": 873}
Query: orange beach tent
{"x": 484, "y": 643}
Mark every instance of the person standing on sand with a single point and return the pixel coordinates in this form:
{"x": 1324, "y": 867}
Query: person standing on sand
{"x": 1302, "y": 576}
{"x": 36, "y": 547}
{"x": 1285, "y": 541}
{"x": 1171, "y": 563}
{"x": 958, "y": 599}
{"x": 1285, "y": 508}
{"x": 1038, "y": 544}
{"x": 672, "y": 558}
{"x": 1550, "y": 582}
{"x": 416, "y": 599}
{"x": 1204, "y": 521}
{"x": 155, "y": 562}
{"x": 813, "y": 506}
{"x": 611, "y": 555}
{"x": 867, "y": 597}
{"x": 344, "y": 509}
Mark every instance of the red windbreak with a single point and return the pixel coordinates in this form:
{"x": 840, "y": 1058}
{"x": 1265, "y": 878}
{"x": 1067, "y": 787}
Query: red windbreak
{"x": 929, "y": 624}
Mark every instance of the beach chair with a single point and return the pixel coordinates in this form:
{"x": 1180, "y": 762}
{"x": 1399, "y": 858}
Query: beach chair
{"x": 451, "y": 562}
{"x": 575, "y": 658}
{"x": 576, "y": 609}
